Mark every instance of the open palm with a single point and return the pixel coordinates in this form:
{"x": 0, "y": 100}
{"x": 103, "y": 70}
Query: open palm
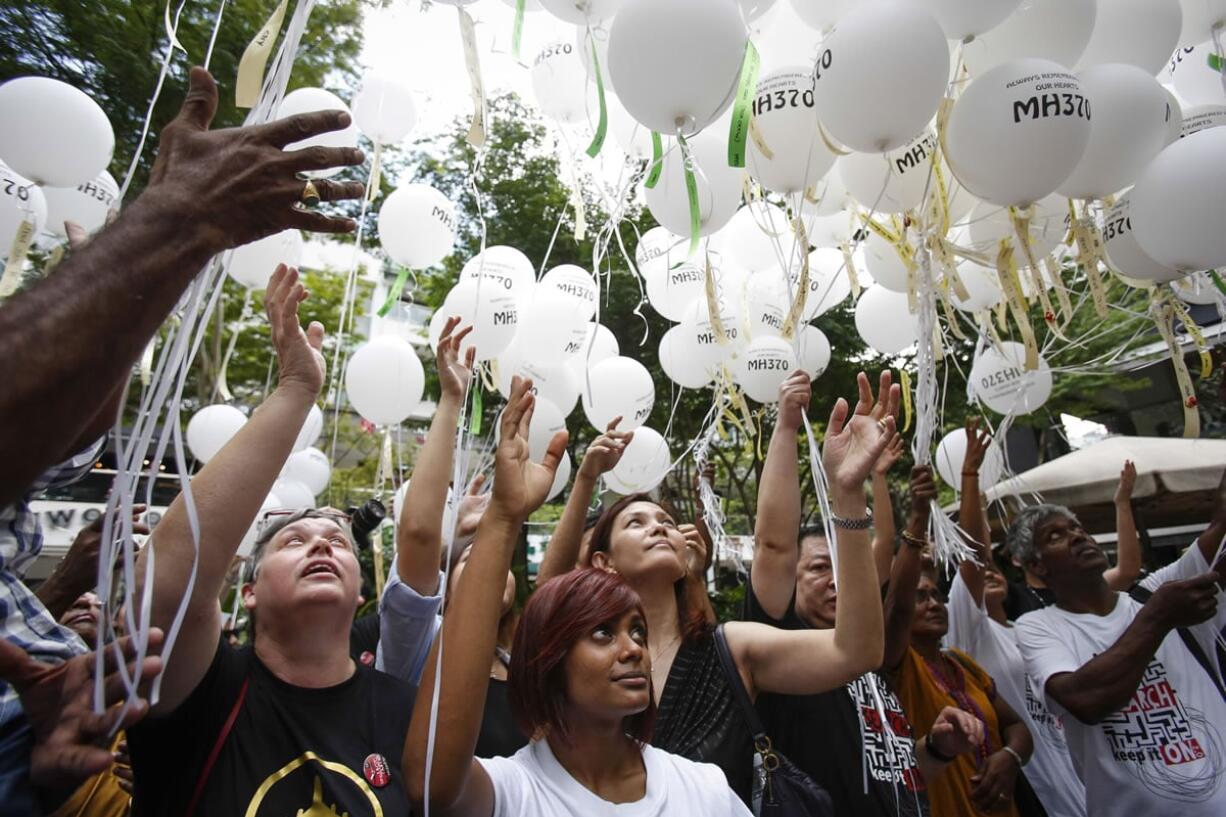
{"x": 521, "y": 485}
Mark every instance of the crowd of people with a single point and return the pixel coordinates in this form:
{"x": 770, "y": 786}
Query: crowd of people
{"x": 860, "y": 679}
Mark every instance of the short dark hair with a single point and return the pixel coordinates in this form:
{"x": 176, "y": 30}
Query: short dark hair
{"x": 561, "y": 611}
{"x": 692, "y": 602}
{"x": 817, "y": 531}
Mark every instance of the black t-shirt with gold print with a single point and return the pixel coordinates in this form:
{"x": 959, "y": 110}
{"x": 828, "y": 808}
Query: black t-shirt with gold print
{"x": 292, "y": 752}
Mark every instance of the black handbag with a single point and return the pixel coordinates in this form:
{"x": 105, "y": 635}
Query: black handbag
{"x": 780, "y": 789}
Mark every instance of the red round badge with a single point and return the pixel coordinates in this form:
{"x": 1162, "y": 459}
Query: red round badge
{"x": 367, "y": 658}
{"x": 374, "y": 768}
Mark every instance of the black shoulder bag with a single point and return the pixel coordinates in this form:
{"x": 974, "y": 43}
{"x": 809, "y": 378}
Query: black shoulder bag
{"x": 779, "y": 788}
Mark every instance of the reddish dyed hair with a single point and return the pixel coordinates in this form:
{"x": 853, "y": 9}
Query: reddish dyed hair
{"x": 561, "y": 611}
{"x": 697, "y": 617}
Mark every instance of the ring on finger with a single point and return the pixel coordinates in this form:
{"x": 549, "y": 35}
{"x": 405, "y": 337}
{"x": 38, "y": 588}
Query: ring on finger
{"x": 881, "y": 424}
{"x": 310, "y": 194}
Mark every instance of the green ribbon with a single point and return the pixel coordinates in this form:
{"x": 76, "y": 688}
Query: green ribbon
{"x": 742, "y": 111}
{"x": 1217, "y": 281}
{"x": 691, "y": 189}
{"x": 394, "y": 294}
{"x": 602, "y": 128}
{"x": 1215, "y": 62}
{"x": 657, "y": 160}
{"x": 517, "y": 33}
{"x": 474, "y": 425}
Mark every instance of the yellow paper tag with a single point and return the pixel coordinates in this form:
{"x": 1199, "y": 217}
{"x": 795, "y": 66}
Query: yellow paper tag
{"x": 1054, "y": 273}
{"x": 1006, "y": 269}
{"x": 717, "y": 321}
{"x": 255, "y": 57}
{"x": 18, "y": 251}
{"x": 468, "y": 36}
{"x": 849, "y": 261}
{"x": 905, "y": 376}
{"x": 1164, "y": 314}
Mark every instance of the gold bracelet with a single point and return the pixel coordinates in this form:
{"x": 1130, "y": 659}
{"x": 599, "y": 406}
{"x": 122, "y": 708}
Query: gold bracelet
{"x": 914, "y": 541}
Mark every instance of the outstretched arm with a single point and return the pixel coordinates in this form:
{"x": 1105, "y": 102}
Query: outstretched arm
{"x": 904, "y": 575}
{"x": 1128, "y": 544}
{"x": 419, "y": 532}
{"x": 803, "y": 662}
{"x": 459, "y": 785}
{"x": 970, "y": 512}
{"x": 601, "y": 456}
{"x": 884, "y": 530}
{"x": 775, "y": 545}
{"x": 228, "y": 493}
{"x": 209, "y": 191}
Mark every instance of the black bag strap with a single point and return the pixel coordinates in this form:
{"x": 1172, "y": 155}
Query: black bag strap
{"x": 733, "y": 676}
{"x": 1143, "y": 595}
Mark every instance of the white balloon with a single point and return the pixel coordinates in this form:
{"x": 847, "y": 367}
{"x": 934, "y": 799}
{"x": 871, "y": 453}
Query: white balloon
{"x": 575, "y": 284}
{"x": 1124, "y": 254}
{"x": 832, "y": 231}
{"x": 763, "y": 366}
{"x": 963, "y": 19}
{"x": 828, "y": 196}
{"x": 1200, "y": 17}
{"x": 582, "y": 12}
{"x": 1175, "y": 117}
{"x": 1049, "y": 224}
{"x": 211, "y": 428}
{"x": 1202, "y": 118}
{"x": 493, "y": 313}
{"x": 645, "y": 462}
{"x": 1198, "y": 82}
{"x": 766, "y": 304}
{"x": 1018, "y": 132}
{"x": 417, "y": 226}
{"x": 271, "y": 503}
{"x": 20, "y": 200}
{"x": 253, "y": 264}
{"x": 758, "y": 235}
{"x": 1000, "y": 381}
{"x": 561, "y": 477}
{"x": 1054, "y": 30}
{"x": 53, "y": 134}
{"x": 434, "y": 332}
{"x": 671, "y": 291}
{"x": 310, "y": 467}
{"x": 885, "y": 264}
{"x": 634, "y": 139}
{"x": 312, "y": 428}
{"x": 557, "y": 384}
{"x": 504, "y": 268}
{"x": 787, "y": 124}
{"x": 598, "y": 344}
{"x": 658, "y": 250}
{"x": 1178, "y": 202}
{"x": 951, "y": 454}
{"x": 893, "y": 183}
{"x": 385, "y": 109}
{"x": 829, "y": 284}
{"x": 814, "y": 351}
{"x": 559, "y": 83}
{"x": 675, "y": 63}
{"x": 885, "y": 322}
{"x": 293, "y": 494}
{"x": 618, "y": 387}
{"x": 1197, "y": 288}
{"x": 699, "y": 329}
{"x": 310, "y": 100}
{"x": 822, "y": 14}
{"x": 86, "y": 204}
{"x": 1126, "y": 133}
{"x": 1139, "y": 32}
{"x": 679, "y": 359}
{"x": 981, "y": 285}
{"x": 881, "y": 75}
{"x": 719, "y": 187}
{"x": 385, "y": 380}
{"x": 753, "y": 9}
{"x": 549, "y": 325}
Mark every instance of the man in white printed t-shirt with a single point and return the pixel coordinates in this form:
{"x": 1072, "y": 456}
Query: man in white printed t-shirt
{"x": 1146, "y": 720}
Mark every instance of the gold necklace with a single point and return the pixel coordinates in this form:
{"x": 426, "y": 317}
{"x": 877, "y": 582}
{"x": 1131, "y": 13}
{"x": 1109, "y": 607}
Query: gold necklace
{"x": 655, "y": 657}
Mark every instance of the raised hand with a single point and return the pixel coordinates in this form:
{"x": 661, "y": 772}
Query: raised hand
{"x": 854, "y": 443}
{"x": 521, "y": 485}
{"x": 298, "y": 352}
{"x": 923, "y": 491}
{"x": 453, "y": 375}
{"x": 237, "y": 185}
{"x": 472, "y": 508}
{"x": 1185, "y": 603}
{"x": 955, "y": 732}
{"x": 977, "y": 445}
{"x": 605, "y": 452}
{"x": 695, "y": 548}
{"x": 1128, "y": 481}
{"x": 889, "y": 456}
{"x": 795, "y": 394}
{"x": 885, "y": 404}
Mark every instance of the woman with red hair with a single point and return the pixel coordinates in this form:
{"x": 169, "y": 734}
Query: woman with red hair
{"x": 698, "y": 715}
{"x": 580, "y": 681}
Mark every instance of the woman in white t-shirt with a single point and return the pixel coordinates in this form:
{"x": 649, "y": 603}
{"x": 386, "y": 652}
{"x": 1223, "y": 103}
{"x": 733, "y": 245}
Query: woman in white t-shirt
{"x": 978, "y": 627}
{"x": 580, "y": 681}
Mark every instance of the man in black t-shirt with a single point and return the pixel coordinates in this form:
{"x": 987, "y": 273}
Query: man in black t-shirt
{"x": 855, "y": 741}
{"x": 290, "y": 724}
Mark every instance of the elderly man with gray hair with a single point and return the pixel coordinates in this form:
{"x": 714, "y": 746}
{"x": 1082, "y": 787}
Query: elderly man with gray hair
{"x": 1136, "y": 677}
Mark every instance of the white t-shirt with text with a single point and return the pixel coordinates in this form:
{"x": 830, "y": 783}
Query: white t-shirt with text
{"x": 532, "y": 781}
{"x": 1165, "y": 753}
{"x": 993, "y": 645}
